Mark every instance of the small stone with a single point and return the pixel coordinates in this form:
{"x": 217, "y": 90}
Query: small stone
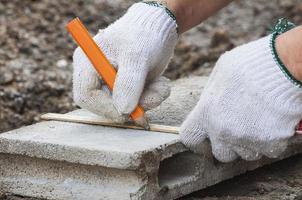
{"x": 62, "y": 63}
{"x": 6, "y": 77}
{"x": 34, "y": 41}
{"x": 220, "y": 37}
{"x": 19, "y": 104}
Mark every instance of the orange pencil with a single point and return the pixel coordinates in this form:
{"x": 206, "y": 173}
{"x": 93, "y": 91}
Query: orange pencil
{"x": 108, "y": 73}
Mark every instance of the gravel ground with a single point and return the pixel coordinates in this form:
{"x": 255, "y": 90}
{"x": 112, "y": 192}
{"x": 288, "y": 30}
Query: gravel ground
{"x": 35, "y": 68}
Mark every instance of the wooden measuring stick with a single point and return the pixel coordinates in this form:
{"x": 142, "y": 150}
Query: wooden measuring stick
{"x": 98, "y": 121}
{"x": 101, "y": 63}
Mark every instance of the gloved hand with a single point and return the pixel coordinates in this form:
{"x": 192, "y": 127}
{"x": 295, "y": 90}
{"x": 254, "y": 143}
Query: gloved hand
{"x": 139, "y": 45}
{"x": 249, "y": 108}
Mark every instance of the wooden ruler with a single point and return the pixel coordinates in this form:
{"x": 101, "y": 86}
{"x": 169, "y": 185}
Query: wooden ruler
{"x": 97, "y": 121}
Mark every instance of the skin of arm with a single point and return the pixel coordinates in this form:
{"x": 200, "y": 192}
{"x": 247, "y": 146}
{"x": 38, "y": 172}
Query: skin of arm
{"x": 289, "y": 48}
{"x": 190, "y": 13}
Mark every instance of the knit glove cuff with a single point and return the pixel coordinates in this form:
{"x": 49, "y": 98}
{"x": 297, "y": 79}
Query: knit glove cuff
{"x": 265, "y": 75}
{"x": 151, "y": 18}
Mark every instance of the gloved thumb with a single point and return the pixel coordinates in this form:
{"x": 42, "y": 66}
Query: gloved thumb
{"x": 129, "y": 85}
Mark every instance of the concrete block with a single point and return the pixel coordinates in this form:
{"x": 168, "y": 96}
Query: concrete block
{"x": 58, "y": 160}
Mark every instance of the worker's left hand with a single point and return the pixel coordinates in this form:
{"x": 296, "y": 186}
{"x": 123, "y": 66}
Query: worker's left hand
{"x": 249, "y": 108}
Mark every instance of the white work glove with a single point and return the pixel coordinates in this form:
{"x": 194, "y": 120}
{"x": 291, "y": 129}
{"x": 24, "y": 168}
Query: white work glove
{"x": 139, "y": 45}
{"x": 249, "y": 107}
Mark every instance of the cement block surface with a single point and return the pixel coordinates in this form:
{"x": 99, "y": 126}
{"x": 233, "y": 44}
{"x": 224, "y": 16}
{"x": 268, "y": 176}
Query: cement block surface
{"x": 58, "y": 160}
{"x": 84, "y": 144}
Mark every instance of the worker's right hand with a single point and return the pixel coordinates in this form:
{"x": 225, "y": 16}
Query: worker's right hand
{"x": 139, "y": 45}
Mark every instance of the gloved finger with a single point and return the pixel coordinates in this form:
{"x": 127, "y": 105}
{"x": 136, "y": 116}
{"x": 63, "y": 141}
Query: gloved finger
{"x": 90, "y": 100}
{"x": 247, "y": 154}
{"x": 222, "y": 152}
{"x": 192, "y": 134}
{"x": 129, "y": 84}
{"x": 88, "y": 91}
{"x": 155, "y": 93}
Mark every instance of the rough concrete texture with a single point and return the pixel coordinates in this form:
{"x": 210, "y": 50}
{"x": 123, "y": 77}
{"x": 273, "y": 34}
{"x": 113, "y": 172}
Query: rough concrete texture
{"x": 57, "y": 160}
{"x": 184, "y": 96}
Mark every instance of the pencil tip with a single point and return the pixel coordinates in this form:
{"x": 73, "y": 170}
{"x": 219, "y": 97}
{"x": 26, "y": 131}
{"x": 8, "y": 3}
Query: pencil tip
{"x": 142, "y": 122}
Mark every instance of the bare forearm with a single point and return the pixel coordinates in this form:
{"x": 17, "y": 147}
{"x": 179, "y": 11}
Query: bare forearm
{"x": 190, "y": 13}
{"x": 289, "y": 48}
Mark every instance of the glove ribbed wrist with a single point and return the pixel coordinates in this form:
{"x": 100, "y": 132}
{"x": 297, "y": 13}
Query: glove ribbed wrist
{"x": 283, "y": 25}
{"x": 161, "y": 4}
{"x": 276, "y": 87}
{"x": 154, "y": 19}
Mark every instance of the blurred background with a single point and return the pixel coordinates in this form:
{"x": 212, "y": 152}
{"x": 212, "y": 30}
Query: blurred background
{"x": 36, "y": 51}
